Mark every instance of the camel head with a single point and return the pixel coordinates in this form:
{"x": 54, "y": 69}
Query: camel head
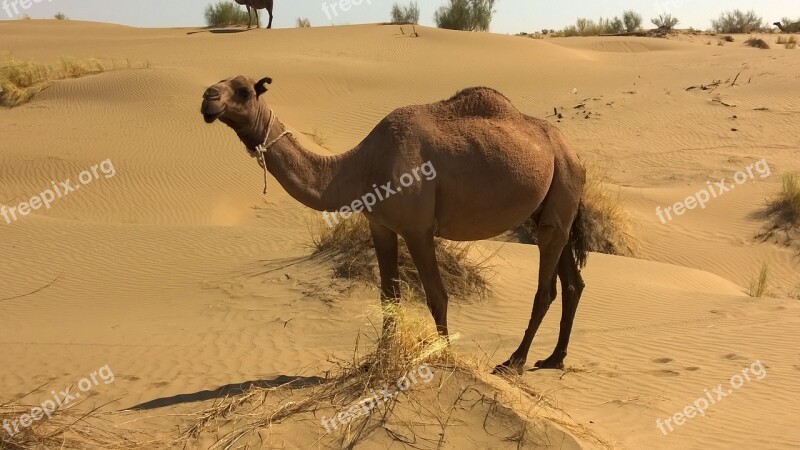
{"x": 236, "y": 102}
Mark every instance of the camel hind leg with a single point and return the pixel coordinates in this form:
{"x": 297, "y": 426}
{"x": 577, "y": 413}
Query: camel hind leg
{"x": 558, "y": 212}
{"x": 571, "y": 289}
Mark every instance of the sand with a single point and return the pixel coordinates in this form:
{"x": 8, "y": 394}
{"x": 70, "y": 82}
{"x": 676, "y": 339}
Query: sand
{"x": 182, "y": 277}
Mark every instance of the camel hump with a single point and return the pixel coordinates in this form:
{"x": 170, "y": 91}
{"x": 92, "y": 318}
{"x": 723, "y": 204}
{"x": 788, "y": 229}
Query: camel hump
{"x": 480, "y": 102}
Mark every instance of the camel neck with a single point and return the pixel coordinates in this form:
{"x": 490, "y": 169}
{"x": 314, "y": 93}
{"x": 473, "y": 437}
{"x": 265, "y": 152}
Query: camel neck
{"x": 322, "y": 183}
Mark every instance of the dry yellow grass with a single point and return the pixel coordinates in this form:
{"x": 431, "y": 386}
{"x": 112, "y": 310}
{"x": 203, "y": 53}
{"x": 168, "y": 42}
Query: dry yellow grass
{"x": 607, "y": 224}
{"x": 349, "y": 244}
{"x": 20, "y": 81}
{"x": 783, "y": 212}
{"x": 759, "y": 285}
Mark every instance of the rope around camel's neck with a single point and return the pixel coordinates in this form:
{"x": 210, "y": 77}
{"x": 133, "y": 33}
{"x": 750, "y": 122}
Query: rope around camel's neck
{"x": 261, "y": 150}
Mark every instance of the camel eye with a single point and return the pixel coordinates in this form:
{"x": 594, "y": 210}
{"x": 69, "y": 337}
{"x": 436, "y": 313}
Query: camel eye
{"x": 244, "y": 93}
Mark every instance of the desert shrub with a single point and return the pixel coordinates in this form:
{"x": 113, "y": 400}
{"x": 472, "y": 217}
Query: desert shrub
{"x": 665, "y": 21}
{"x": 60, "y": 16}
{"x": 728, "y": 39}
{"x": 757, "y": 43}
{"x": 224, "y": 14}
{"x": 783, "y": 212}
{"x": 632, "y": 21}
{"x": 303, "y": 23}
{"x": 405, "y": 14}
{"x": 465, "y": 15}
{"x": 349, "y": 244}
{"x": 737, "y": 21}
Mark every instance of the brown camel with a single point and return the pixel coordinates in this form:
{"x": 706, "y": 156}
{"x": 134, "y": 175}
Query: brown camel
{"x": 495, "y": 167}
{"x": 256, "y": 5}
{"x": 789, "y": 28}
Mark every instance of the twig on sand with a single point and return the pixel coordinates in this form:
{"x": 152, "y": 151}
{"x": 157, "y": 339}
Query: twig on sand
{"x": 34, "y": 291}
{"x": 734, "y": 80}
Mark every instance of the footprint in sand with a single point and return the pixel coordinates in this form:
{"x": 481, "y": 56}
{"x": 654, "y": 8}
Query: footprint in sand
{"x": 663, "y": 360}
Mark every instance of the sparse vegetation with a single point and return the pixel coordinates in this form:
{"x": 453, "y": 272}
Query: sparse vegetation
{"x": 61, "y": 16}
{"x": 22, "y": 80}
{"x": 405, "y": 14}
{"x": 757, "y": 43}
{"x": 632, "y": 21}
{"x": 738, "y": 21}
{"x": 789, "y": 42}
{"x": 349, "y": 244}
{"x": 783, "y": 212}
{"x": 303, "y": 23}
{"x": 760, "y": 284}
{"x": 225, "y": 14}
{"x": 465, "y": 15}
{"x": 665, "y": 21}
{"x": 728, "y": 39}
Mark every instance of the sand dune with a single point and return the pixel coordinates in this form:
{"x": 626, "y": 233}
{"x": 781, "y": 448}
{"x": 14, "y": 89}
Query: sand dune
{"x": 182, "y": 277}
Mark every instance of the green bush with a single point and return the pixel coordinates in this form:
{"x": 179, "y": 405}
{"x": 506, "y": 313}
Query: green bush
{"x": 224, "y": 14}
{"x": 465, "y": 15}
{"x": 632, "y": 20}
{"x": 665, "y": 21}
{"x": 61, "y": 16}
{"x": 405, "y": 14}
{"x": 738, "y": 22}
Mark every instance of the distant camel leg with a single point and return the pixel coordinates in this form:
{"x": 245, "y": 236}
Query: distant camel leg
{"x": 270, "y": 18}
{"x": 423, "y": 252}
{"x": 249, "y": 17}
{"x": 571, "y": 289}
{"x": 386, "y": 250}
{"x": 555, "y": 222}
{"x": 258, "y": 21}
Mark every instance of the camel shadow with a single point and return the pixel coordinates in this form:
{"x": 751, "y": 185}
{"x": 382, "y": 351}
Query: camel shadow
{"x": 228, "y": 389}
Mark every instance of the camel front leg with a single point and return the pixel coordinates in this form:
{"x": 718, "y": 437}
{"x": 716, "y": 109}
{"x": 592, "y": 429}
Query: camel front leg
{"x": 385, "y": 241}
{"x": 423, "y": 252}
{"x": 249, "y": 17}
{"x": 270, "y": 18}
{"x": 258, "y": 21}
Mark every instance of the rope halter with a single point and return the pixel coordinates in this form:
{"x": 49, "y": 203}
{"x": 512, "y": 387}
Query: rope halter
{"x": 261, "y": 150}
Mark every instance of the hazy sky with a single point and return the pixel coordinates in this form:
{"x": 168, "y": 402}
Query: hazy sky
{"x": 512, "y": 15}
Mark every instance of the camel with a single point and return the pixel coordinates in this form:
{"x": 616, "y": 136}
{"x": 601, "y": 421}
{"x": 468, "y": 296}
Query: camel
{"x": 495, "y": 168}
{"x": 256, "y": 5}
{"x": 789, "y": 28}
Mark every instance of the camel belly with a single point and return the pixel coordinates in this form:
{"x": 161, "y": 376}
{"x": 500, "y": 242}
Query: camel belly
{"x": 490, "y": 206}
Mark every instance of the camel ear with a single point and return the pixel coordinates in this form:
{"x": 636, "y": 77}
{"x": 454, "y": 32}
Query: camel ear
{"x": 261, "y": 85}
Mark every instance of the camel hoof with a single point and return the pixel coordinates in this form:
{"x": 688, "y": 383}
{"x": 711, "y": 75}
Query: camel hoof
{"x": 550, "y": 363}
{"x": 508, "y": 368}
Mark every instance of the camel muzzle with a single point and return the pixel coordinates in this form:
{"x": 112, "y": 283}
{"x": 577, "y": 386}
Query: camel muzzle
{"x": 211, "y": 110}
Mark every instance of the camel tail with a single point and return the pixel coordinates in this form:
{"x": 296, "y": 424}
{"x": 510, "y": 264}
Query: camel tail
{"x": 578, "y": 240}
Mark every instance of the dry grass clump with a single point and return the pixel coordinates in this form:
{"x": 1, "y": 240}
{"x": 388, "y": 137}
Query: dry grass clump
{"x": 349, "y": 244}
{"x": 783, "y": 212}
{"x": 789, "y": 42}
{"x": 607, "y": 225}
{"x": 757, "y": 43}
{"x": 22, "y": 80}
{"x": 759, "y": 285}
{"x": 66, "y": 429}
{"x": 407, "y": 347}
{"x": 303, "y": 23}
